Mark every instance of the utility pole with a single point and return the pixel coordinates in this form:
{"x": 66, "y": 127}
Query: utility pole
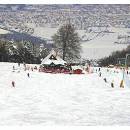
{"x": 126, "y": 59}
{"x": 122, "y": 81}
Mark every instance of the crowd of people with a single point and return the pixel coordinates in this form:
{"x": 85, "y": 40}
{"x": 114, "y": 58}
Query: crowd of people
{"x": 88, "y": 70}
{"x": 122, "y": 71}
{"x": 27, "y": 68}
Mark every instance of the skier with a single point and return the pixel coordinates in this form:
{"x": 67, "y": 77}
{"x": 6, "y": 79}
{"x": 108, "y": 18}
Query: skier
{"x": 19, "y": 64}
{"x": 24, "y": 66}
{"x": 35, "y": 68}
{"x": 105, "y": 80}
{"x": 13, "y": 68}
{"x": 122, "y": 84}
{"x": 13, "y": 84}
{"x": 99, "y": 69}
{"x": 32, "y": 68}
{"x": 112, "y": 84}
{"x": 100, "y": 74}
{"x": 28, "y": 75}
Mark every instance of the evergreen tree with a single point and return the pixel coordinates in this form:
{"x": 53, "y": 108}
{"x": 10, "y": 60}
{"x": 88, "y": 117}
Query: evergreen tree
{"x": 12, "y": 52}
{"x": 113, "y": 58}
{"x": 43, "y": 51}
{"x": 3, "y": 51}
{"x": 23, "y": 51}
{"x": 66, "y": 40}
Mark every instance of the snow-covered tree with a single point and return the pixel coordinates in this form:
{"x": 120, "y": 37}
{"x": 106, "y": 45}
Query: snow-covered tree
{"x": 3, "y": 51}
{"x": 43, "y": 51}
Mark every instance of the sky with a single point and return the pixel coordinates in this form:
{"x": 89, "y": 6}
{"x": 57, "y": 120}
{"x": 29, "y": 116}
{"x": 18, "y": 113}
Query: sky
{"x": 64, "y": 1}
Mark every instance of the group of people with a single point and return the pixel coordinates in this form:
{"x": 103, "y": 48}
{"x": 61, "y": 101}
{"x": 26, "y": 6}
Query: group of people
{"x": 112, "y": 82}
{"x": 13, "y": 82}
{"x": 28, "y": 74}
{"x": 105, "y": 80}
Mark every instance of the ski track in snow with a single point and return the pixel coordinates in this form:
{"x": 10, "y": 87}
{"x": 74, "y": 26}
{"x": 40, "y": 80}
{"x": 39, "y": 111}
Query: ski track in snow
{"x": 62, "y": 99}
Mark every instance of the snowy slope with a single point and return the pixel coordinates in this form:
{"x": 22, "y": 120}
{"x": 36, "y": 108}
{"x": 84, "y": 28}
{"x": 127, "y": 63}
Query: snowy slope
{"x": 100, "y": 43}
{"x": 61, "y": 99}
{"x": 101, "y": 46}
{"x": 3, "y": 31}
{"x": 104, "y": 44}
{"x": 45, "y": 32}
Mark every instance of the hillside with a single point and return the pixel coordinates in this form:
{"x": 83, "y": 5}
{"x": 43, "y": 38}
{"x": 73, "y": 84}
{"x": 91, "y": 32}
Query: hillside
{"x": 102, "y": 44}
{"x": 102, "y": 28}
{"x": 17, "y": 36}
{"x": 95, "y": 44}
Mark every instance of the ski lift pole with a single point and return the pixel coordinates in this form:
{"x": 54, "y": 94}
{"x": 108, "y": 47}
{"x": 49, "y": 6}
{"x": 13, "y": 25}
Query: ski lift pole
{"x": 126, "y": 59}
{"x": 120, "y": 60}
{"x": 122, "y": 81}
{"x": 123, "y": 74}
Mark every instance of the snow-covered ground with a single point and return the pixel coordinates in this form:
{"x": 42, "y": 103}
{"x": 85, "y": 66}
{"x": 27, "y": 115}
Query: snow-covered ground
{"x": 45, "y": 32}
{"x": 62, "y": 99}
{"x": 3, "y": 31}
{"x": 101, "y": 46}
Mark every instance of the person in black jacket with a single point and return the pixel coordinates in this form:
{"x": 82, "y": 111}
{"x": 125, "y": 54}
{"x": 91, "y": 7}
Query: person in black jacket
{"x": 28, "y": 75}
{"x": 13, "y": 84}
{"x": 100, "y": 74}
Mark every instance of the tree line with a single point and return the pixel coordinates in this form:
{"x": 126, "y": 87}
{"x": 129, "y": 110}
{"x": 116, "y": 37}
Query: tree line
{"x": 66, "y": 43}
{"x": 20, "y": 52}
{"x": 114, "y": 57}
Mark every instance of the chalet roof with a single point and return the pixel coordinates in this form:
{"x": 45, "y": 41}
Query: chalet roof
{"x": 53, "y": 58}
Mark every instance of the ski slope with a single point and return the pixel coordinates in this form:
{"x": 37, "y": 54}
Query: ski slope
{"x": 103, "y": 44}
{"x": 62, "y": 99}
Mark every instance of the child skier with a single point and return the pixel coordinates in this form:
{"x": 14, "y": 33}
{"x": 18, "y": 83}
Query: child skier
{"x": 100, "y": 74}
{"x": 105, "y": 80}
{"x": 13, "y": 84}
{"x": 28, "y": 75}
{"x": 112, "y": 84}
{"x": 122, "y": 84}
{"x": 13, "y": 68}
{"x": 19, "y": 64}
